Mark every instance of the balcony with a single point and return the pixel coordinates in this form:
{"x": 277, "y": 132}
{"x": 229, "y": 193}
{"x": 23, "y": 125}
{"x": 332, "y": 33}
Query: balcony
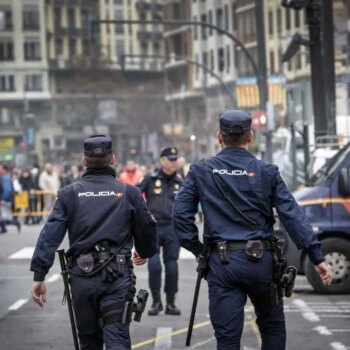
{"x": 143, "y": 35}
{"x": 72, "y": 31}
{"x": 143, "y": 6}
{"x": 60, "y": 31}
{"x": 31, "y": 27}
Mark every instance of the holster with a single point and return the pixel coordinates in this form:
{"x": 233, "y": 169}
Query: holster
{"x": 86, "y": 262}
{"x": 223, "y": 252}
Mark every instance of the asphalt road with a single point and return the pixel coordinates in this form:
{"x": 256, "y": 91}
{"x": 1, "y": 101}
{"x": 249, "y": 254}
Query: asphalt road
{"x": 314, "y": 322}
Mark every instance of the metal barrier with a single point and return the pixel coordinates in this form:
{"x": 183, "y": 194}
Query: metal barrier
{"x": 33, "y": 203}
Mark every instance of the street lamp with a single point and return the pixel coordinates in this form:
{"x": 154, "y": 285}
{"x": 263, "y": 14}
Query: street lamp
{"x": 188, "y": 60}
{"x": 260, "y": 72}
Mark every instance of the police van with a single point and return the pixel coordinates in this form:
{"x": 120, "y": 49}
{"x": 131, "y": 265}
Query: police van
{"x": 326, "y": 201}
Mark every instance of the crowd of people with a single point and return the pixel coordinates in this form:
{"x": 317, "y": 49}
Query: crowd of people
{"x": 40, "y": 186}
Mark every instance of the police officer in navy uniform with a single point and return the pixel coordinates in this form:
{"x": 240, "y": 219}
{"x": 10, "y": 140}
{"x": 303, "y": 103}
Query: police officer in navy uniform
{"x": 159, "y": 189}
{"x": 242, "y": 245}
{"x": 103, "y": 217}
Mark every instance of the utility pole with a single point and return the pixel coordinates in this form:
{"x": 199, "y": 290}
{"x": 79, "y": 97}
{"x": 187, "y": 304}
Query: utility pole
{"x": 319, "y": 15}
{"x": 262, "y": 68}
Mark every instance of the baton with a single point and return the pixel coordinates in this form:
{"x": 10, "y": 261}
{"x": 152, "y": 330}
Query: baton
{"x": 64, "y": 273}
{"x": 202, "y": 265}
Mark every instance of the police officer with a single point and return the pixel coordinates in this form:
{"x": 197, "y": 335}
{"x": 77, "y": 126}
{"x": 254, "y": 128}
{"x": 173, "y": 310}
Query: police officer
{"x": 103, "y": 217}
{"x": 238, "y": 193}
{"x": 159, "y": 189}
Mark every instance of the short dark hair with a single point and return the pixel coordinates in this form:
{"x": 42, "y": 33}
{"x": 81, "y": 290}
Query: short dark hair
{"x": 98, "y": 162}
{"x": 232, "y": 140}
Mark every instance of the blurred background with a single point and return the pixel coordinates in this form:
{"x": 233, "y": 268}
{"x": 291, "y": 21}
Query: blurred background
{"x": 66, "y": 74}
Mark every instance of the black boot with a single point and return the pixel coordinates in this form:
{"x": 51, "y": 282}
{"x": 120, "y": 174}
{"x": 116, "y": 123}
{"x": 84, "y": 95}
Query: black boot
{"x": 157, "y": 303}
{"x": 171, "y": 308}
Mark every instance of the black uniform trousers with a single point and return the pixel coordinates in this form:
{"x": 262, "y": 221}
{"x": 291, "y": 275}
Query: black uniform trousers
{"x": 229, "y": 285}
{"x": 89, "y": 296}
{"x": 171, "y": 247}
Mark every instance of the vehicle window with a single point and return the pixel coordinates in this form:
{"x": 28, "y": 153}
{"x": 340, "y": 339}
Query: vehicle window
{"x": 331, "y": 165}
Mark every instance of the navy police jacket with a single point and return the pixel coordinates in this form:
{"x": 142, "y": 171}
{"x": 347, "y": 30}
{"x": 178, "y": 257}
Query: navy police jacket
{"x": 254, "y": 187}
{"x": 93, "y": 209}
{"x": 160, "y": 190}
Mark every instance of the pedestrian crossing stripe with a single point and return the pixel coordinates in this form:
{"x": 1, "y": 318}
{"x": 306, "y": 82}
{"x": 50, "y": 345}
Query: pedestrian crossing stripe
{"x": 25, "y": 253}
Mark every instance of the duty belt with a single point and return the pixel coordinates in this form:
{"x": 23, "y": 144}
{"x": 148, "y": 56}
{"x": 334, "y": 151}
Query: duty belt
{"x": 240, "y": 245}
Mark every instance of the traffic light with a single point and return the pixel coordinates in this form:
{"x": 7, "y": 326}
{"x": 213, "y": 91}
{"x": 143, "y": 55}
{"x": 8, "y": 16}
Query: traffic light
{"x": 295, "y": 4}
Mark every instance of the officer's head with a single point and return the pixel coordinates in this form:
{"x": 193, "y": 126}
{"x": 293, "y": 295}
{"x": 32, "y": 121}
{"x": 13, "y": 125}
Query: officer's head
{"x": 235, "y": 128}
{"x": 168, "y": 160}
{"x": 98, "y": 151}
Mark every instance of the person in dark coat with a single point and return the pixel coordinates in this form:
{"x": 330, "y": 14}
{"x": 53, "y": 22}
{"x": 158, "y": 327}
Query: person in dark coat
{"x": 238, "y": 194}
{"x": 104, "y": 219}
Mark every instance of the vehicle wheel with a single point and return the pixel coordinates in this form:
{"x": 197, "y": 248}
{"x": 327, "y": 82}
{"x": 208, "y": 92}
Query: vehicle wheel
{"x": 337, "y": 253}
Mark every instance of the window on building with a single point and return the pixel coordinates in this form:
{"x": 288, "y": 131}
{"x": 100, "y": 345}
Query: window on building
{"x": 31, "y": 18}
{"x": 270, "y": 23}
{"x": 71, "y": 18}
{"x": 156, "y": 49}
{"x": 298, "y": 60}
{"x": 119, "y": 28}
{"x": 58, "y": 47}
{"x": 72, "y": 47}
{"x": 195, "y": 29}
{"x": 234, "y": 17}
{"x": 34, "y": 82}
{"x": 287, "y": 12}
{"x": 279, "y": 20}
{"x": 120, "y": 48}
{"x": 144, "y": 48}
{"x": 210, "y": 16}
{"x": 228, "y": 58}
{"x": 203, "y": 28}
{"x": 5, "y": 20}
{"x": 205, "y": 63}
{"x": 219, "y": 19}
{"x": 197, "y": 67}
{"x": 32, "y": 50}
{"x": 6, "y": 51}
{"x": 212, "y": 63}
{"x": 7, "y": 82}
{"x": 221, "y": 60}
{"x": 272, "y": 63}
{"x": 227, "y": 20}
{"x": 58, "y": 17}
{"x": 297, "y": 18}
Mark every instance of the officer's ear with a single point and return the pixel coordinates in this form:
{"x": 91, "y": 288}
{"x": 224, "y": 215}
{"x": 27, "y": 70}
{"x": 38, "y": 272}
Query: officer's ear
{"x": 250, "y": 137}
{"x": 220, "y": 139}
{"x": 113, "y": 159}
{"x": 84, "y": 161}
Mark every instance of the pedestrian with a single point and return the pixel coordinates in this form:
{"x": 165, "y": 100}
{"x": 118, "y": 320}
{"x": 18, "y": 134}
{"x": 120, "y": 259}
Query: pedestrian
{"x": 103, "y": 218}
{"x": 49, "y": 183}
{"x": 238, "y": 194}
{"x": 159, "y": 189}
{"x": 131, "y": 174}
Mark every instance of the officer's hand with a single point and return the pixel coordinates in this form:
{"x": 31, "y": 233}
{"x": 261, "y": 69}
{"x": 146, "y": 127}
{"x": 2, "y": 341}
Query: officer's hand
{"x": 325, "y": 272}
{"x": 39, "y": 293}
{"x": 136, "y": 258}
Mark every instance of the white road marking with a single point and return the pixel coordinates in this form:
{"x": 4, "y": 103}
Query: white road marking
{"x": 306, "y": 311}
{"x": 198, "y": 345}
{"x": 18, "y": 304}
{"x": 338, "y": 346}
{"x": 25, "y": 253}
{"x": 53, "y": 278}
{"x": 163, "y": 343}
{"x": 323, "y": 330}
{"x": 186, "y": 255}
